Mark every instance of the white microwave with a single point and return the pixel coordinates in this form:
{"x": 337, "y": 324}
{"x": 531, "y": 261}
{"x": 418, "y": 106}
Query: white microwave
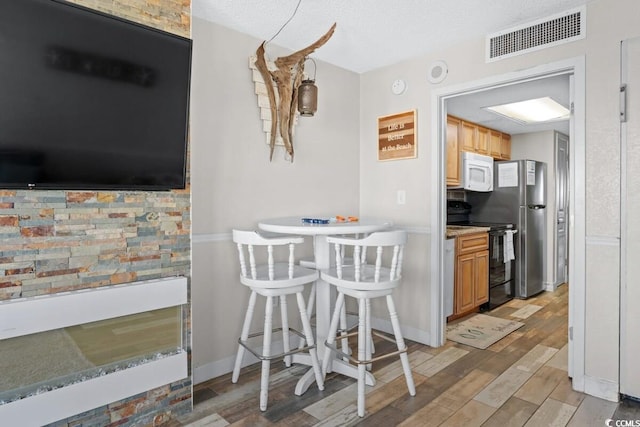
{"x": 477, "y": 172}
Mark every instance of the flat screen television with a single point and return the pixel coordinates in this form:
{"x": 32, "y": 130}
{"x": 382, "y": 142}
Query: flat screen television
{"x": 90, "y": 101}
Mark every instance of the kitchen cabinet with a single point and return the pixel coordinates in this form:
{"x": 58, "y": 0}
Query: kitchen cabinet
{"x": 474, "y": 138}
{"x": 505, "y": 150}
{"x": 495, "y": 138}
{"x": 482, "y": 141}
{"x": 453, "y": 152}
{"x": 471, "y": 281}
{"x": 500, "y": 145}
{"x": 467, "y": 136}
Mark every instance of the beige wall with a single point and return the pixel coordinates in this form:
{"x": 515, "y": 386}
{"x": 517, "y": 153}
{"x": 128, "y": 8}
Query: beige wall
{"x": 235, "y": 185}
{"x": 608, "y": 22}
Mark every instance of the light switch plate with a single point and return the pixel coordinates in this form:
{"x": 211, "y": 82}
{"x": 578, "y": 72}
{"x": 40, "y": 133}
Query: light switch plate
{"x": 401, "y": 197}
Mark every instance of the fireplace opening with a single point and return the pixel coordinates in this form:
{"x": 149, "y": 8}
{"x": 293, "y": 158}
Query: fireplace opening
{"x": 45, "y": 361}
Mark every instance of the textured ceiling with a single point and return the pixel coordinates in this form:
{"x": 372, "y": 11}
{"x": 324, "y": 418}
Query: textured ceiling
{"x": 374, "y": 33}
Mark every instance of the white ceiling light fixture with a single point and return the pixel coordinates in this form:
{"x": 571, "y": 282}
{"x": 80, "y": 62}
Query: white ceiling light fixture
{"x": 532, "y": 111}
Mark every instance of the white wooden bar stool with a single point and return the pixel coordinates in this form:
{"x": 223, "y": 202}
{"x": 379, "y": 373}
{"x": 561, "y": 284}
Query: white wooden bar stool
{"x": 273, "y": 279}
{"x": 365, "y": 281}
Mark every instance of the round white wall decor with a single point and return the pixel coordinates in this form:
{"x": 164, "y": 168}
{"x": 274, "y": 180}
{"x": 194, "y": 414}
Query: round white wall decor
{"x": 398, "y": 86}
{"x": 437, "y": 72}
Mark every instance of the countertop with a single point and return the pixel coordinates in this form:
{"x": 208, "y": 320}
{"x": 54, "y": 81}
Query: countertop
{"x": 457, "y": 230}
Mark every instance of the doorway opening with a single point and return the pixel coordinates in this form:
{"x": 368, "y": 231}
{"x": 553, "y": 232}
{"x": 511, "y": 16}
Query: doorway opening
{"x": 573, "y": 73}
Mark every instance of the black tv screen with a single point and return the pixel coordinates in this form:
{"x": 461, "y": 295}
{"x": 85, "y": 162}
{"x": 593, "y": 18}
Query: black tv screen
{"x": 90, "y": 101}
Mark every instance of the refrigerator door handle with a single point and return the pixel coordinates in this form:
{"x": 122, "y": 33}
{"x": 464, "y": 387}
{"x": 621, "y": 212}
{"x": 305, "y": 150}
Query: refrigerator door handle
{"x": 521, "y": 258}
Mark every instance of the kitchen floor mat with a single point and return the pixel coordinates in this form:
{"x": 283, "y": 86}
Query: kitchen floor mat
{"x": 481, "y": 330}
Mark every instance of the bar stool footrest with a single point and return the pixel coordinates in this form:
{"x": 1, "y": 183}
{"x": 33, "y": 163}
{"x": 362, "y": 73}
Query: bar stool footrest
{"x": 276, "y": 356}
{"x": 364, "y": 362}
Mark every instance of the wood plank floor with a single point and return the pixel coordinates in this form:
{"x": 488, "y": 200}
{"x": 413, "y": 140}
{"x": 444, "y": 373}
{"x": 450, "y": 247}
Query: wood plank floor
{"x": 519, "y": 381}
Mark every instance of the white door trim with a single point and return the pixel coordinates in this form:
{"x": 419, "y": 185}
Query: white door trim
{"x": 624, "y": 78}
{"x": 577, "y": 199}
{"x": 628, "y": 372}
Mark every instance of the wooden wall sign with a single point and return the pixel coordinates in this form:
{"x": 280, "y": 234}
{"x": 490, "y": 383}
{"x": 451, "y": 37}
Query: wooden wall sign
{"x": 397, "y": 136}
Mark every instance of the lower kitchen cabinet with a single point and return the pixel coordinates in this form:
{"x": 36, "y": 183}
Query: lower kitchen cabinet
{"x": 471, "y": 288}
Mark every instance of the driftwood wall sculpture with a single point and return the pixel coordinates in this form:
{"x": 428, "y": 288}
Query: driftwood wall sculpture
{"x": 287, "y": 77}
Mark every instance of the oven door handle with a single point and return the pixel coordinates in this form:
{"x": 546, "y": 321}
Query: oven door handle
{"x": 501, "y": 232}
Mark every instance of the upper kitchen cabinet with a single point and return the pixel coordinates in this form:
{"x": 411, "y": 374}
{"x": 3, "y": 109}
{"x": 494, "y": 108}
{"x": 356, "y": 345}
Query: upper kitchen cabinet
{"x": 500, "y": 145}
{"x": 505, "y": 151}
{"x": 466, "y": 136}
{"x": 474, "y": 138}
{"x": 495, "y": 138}
{"x": 453, "y": 151}
{"x": 482, "y": 141}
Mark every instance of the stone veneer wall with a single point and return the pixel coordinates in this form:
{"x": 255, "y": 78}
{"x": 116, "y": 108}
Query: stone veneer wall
{"x": 54, "y": 241}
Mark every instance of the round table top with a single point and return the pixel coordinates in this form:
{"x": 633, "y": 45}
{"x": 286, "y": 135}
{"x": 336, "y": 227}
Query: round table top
{"x": 294, "y": 225}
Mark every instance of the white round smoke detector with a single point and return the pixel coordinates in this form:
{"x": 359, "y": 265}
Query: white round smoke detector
{"x": 437, "y": 72}
{"x": 398, "y": 86}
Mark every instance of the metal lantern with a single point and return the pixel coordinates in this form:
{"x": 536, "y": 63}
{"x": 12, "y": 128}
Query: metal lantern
{"x": 308, "y": 95}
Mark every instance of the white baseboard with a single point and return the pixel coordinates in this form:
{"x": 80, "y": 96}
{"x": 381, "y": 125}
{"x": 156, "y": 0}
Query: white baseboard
{"x": 224, "y": 366}
{"x": 216, "y": 368}
{"x": 408, "y": 332}
{"x": 550, "y": 286}
{"x": 604, "y": 389}
{"x": 219, "y": 367}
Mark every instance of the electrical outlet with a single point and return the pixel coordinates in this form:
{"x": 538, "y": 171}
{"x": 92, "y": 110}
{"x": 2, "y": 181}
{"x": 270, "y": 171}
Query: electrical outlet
{"x": 401, "y": 197}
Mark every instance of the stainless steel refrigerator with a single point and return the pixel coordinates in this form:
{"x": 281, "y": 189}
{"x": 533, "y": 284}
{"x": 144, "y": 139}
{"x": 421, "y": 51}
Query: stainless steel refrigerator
{"x": 519, "y": 197}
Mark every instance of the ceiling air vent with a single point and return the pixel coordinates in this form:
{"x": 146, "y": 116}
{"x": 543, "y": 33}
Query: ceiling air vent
{"x": 550, "y": 31}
